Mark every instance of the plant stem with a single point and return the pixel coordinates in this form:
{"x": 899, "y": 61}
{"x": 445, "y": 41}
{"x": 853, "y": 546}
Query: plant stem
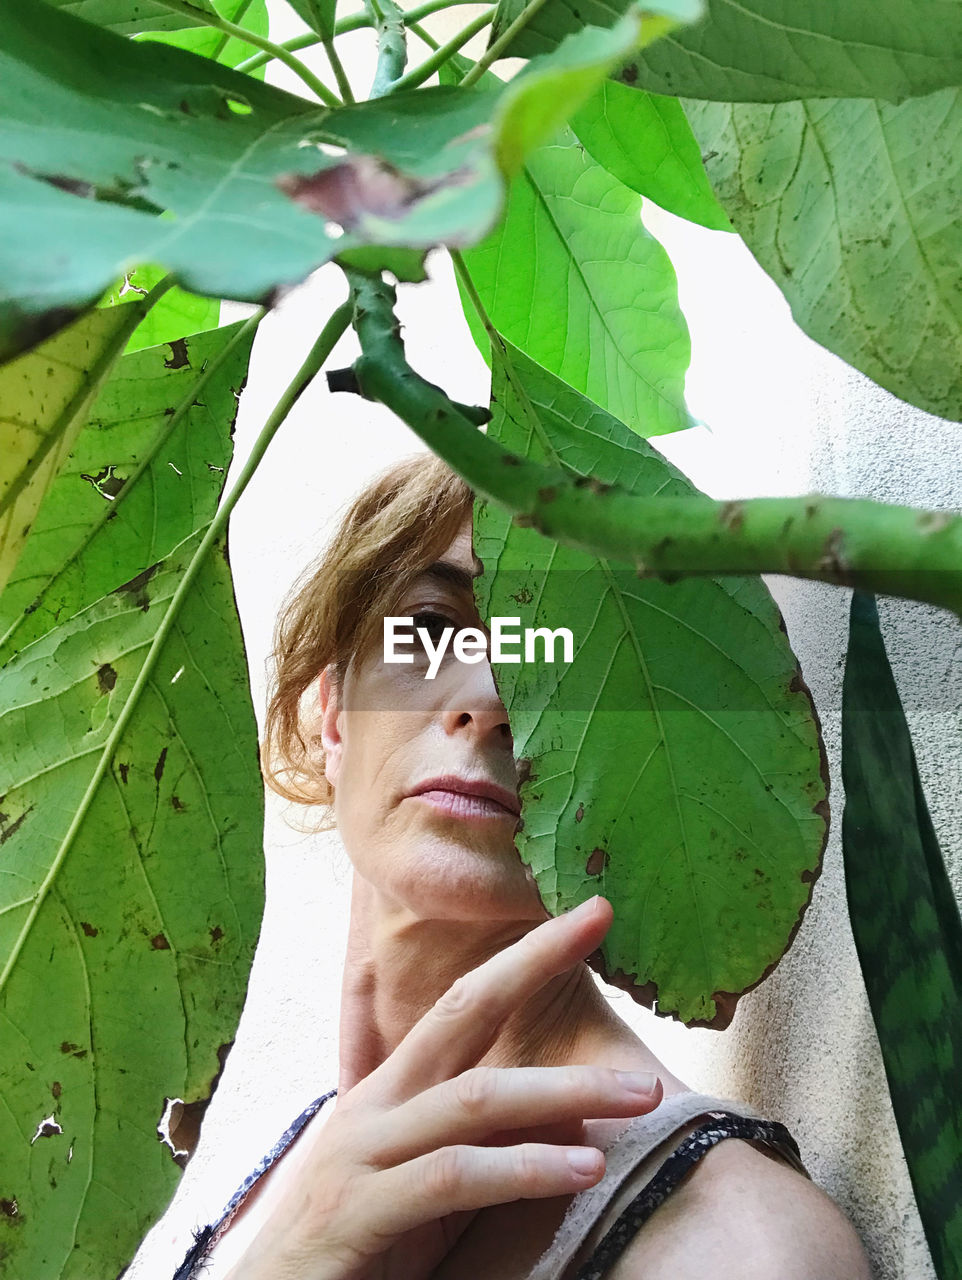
{"x": 426, "y": 36}
{"x": 855, "y": 542}
{"x": 222, "y": 42}
{"x": 388, "y": 21}
{"x": 355, "y": 22}
{"x": 318, "y": 354}
{"x": 210, "y": 19}
{"x": 440, "y": 56}
{"x": 110, "y": 510}
{"x": 495, "y": 50}
{"x": 337, "y": 66}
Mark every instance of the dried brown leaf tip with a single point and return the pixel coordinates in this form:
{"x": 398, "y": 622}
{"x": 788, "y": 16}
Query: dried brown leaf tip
{"x": 348, "y": 192}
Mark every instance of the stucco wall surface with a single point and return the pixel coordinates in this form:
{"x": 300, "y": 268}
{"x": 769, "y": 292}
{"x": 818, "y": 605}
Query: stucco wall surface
{"x": 783, "y": 417}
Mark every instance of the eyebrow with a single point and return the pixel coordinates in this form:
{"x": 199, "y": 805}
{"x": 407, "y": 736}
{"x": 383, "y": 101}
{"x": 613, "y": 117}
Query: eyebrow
{"x": 453, "y": 574}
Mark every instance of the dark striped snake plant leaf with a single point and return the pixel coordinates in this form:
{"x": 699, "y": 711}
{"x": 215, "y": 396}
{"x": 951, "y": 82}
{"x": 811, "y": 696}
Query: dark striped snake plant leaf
{"x": 131, "y": 880}
{"x": 676, "y": 764}
{"x": 907, "y": 930}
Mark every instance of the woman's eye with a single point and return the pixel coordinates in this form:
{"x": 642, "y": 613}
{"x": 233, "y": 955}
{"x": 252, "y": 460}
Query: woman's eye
{"x": 433, "y": 623}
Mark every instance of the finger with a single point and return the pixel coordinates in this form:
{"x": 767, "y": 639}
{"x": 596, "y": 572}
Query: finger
{"x": 461, "y": 1026}
{"x": 488, "y": 1100}
{"x": 465, "y": 1177}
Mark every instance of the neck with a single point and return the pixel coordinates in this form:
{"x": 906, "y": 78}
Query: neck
{"x": 398, "y": 964}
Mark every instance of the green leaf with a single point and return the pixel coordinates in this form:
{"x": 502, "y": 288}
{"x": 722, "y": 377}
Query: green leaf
{"x": 259, "y": 186}
{"x": 676, "y": 764}
{"x": 851, "y": 207}
{"x": 907, "y": 930}
{"x": 134, "y": 888}
{"x": 559, "y": 18}
{"x": 143, "y": 475}
{"x": 176, "y": 315}
{"x": 211, "y": 43}
{"x": 44, "y": 398}
{"x": 572, "y": 232}
{"x": 128, "y": 17}
{"x": 318, "y": 14}
{"x": 646, "y": 142}
{"x": 768, "y": 51}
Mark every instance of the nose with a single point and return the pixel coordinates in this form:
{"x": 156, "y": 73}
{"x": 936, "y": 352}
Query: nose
{"x": 474, "y": 705}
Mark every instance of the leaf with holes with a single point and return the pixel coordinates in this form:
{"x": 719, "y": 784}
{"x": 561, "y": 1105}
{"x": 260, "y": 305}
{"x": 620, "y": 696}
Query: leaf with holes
{"x": 143, "y": 475}
{"x": 572, "y": 231}
{"x": 44, "y": 397}
{"x": 133, "y": 883}
{"x": 676, "y": 764}
{"x": 257, "y": 187}
{"x": 852, "y": 208}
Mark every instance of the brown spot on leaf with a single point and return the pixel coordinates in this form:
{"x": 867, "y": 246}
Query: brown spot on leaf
{"x": 548, "y": 493}
{"x": 67, "y": 1046}
{"x": 107, "y": 483}
{"x": 596, "y": 862}
{"x": 523, "y": 596}
{"x": 510, "y": 460}
{"x": 361, "y": 185}
{"x": 9, "y": 829}
{"x": 579, "y": 812}
{"x": 216, "y": 934}
{"x": 9, "y": 1207}
{"x": 89, "y": 930}
{"x": 106, "y": 678}
{"x": 629, "y": 74}
{"x": 56, "y": 1089}
{"x": 177, "y": 804}
{"x": 183, "y": 1120}
{"x": 159, "y": 942}
{"x": 159, "y": 766}
{"x": 178, "y": 354}
{"x": 136, "y": 588}
{"x": 124, "y": 770}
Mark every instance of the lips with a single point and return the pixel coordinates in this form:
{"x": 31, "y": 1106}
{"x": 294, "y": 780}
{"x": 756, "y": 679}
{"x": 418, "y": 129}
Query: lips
{"x": 479, "y": 788}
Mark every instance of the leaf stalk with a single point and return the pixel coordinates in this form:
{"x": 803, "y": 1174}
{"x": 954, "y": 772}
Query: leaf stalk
{"x": 417, "y": 75}
{"x": 497, "y": 48}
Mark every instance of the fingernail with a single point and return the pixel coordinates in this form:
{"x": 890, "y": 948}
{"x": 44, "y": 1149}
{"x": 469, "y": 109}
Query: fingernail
{"x": 583, "y": 1160}
{"x": 584, "y": 908}
{"x": 638, "y": 1081}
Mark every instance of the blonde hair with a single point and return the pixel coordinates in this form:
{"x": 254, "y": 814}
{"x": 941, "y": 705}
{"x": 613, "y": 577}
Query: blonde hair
{"x": 398, "y": 526}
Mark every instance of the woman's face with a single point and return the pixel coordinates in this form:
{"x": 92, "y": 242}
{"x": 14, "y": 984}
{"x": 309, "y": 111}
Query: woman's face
{"x": 423, "y": 770}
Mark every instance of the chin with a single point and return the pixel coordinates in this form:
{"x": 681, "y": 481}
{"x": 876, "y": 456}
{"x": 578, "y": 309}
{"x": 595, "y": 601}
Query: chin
{"x": 451, "y": 878}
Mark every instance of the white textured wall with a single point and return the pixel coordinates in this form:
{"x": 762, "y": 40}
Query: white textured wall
{"x": 785, "y": 418}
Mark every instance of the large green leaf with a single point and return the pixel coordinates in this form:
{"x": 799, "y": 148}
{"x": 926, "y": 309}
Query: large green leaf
{"x": 259, "y": 186}
{"x": 852, "y": 207}
{"x": 212, "y": 43}
{"x": 556, "y": 19}
{"x": 646, "y": 142}
{"x": 132, "y": 889}
{"x": 907, "y": 930}
{"x": 318, "y": 14}
{"x": 676, "y": 764}
{"x": 574, "y": 279}
{"x": 770, "y": 51}
{"x": 44, "y": 397}
{"x": 143, "y": 475}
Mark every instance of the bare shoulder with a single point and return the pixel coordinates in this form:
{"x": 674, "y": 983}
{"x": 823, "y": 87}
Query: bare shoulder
{"x": 744, "y": 1215}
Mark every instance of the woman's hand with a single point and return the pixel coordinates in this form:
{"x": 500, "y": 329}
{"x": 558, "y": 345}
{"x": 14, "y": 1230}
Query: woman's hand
{"x": 400, "y": 1167}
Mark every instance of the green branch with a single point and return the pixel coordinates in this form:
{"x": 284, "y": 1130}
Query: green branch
{"x": 355, "y": 22}
{"x": 210, "y": 19}
{"x": 337, "y": 66}
{"x": 440, "y": 56}
{"x": 318, "y": 354}
{"x": 497, "y": 49}
{"x": 855, "y": 542}
{"x": 388, "y": 21}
